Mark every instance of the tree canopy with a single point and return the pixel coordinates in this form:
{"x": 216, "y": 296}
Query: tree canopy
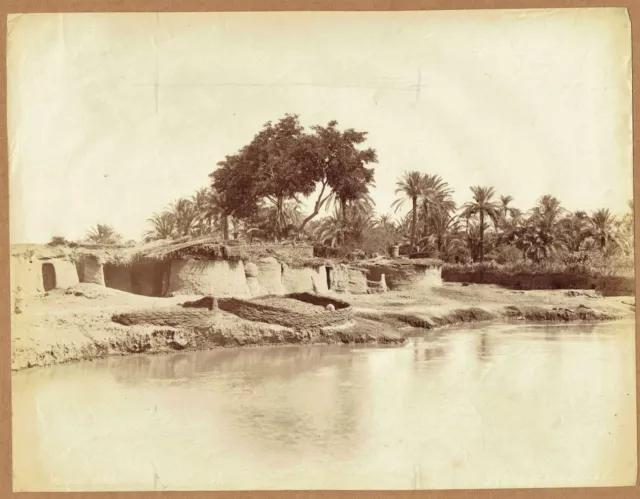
{"x": 283, "y": 162}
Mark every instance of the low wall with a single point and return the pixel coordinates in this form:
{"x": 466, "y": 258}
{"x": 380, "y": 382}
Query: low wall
{"x": 608, "y": 286}
{"x": 206, "y": 277}
{"x": 166, "y": 316}
{"x": 259, "y": 312}
{"x": 404, "y": 275}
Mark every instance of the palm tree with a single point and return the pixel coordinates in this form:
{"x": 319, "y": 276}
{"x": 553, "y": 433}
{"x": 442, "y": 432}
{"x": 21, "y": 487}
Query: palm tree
{"x": 504, "y": 206}
{"x": 436, "y": 196}
{"x": 359, "y": 203}
{"x": 411, "y": 185}
{"x": 185, "y": 216}
{"x": 331, "y": 228}
{"x": 547, "y": 213}
{"x": 573, "y": 229}
{"x": 482, "y": 206}
{"x": 103, "y": 234}
{"x": 358, "y": 226}
{"x": 275, "y": 222}
{"x": 443, "y": 223}
{"x": 385, "y": 222}
{"x": 217, "y": 213}
{"x": 602, "y": 229}
{"x": 201, "y": 202}
{"x": 163, "y": 227}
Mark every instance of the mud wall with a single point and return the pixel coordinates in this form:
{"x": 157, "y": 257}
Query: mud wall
{"x": 319, "y": 278}
{"x": 251, "y": 273}
{"x": 26, "y": 274}
{"x": 66, "y": 273}
{"x": 297, "y": 280}
{"x": 270, "y": 276}
{"x": 200, "y": 277}
{"x": 345, "y": 279}
{"x": 405, "y": 276}
{"x": 118, "y": 277}
{"x": 430, "y": 277}
{"x": 150, "y": 278}
{"x": 608, "y": 286}
{"x": 93, "y": 271}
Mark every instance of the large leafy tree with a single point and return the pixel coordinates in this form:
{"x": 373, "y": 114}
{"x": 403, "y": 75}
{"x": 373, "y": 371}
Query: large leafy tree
{"x": 337, "y": 165}
{"x": 484, "y": 208}
{"x": 283, "y": 163}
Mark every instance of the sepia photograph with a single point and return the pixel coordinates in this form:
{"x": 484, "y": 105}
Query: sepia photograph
{"x": 321, "y": 250}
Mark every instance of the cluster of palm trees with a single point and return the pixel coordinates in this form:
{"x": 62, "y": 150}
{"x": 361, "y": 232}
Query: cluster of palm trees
{"x": 186, "y": 217}
{"x": 487, "y": 226}
{"x": 490, "y": 224}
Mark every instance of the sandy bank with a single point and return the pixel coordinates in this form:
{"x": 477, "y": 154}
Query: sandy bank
{"x": 77, "y": 324}
{"x": 455, "y": 303}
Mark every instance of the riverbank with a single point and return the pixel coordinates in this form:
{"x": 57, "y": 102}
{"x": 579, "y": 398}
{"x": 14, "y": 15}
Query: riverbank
{"x": 77, "y": 324}
{"x": 455, "y": 303}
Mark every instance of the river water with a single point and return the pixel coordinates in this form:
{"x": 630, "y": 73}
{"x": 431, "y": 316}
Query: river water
{"x": 485, "y": 406}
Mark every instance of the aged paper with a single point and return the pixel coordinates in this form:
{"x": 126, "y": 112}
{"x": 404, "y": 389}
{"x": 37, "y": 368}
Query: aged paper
{"x": 322, "y": 250}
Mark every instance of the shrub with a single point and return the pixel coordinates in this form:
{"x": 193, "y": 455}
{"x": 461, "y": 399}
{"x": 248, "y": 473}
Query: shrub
{"x": 507, "y": 255}
{"x": 58, "y": 241}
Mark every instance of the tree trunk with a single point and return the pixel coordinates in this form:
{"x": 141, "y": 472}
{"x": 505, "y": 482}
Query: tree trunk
{"x": 225, "y": 227}
{"x": 316, "y": 209}
{"x": 344, "y": 221}
{"x": 426, "y": 220}
{"x": 278, "y": 228}
{"x": 481, "y": 236}
{"x": 414, "y": 215}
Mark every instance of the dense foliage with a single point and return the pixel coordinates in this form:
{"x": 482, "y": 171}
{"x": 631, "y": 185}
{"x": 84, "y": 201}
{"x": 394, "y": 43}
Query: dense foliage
{"x": 256, "y": 194}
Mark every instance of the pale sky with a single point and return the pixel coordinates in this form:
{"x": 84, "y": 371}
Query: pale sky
{"x": 530, "y": 102}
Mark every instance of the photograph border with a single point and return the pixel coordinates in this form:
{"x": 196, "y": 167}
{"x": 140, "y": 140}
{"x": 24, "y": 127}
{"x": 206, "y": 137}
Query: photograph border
{"x": 55, "y": 6}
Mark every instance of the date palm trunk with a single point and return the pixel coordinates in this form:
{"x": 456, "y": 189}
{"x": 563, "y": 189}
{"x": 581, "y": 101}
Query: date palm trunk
{"x": 414, "y": 216}
{"x": 481, "y": 235}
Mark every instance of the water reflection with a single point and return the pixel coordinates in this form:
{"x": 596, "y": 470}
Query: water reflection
{"x": 484, "y": 348}
{"x": 474, "y": 407}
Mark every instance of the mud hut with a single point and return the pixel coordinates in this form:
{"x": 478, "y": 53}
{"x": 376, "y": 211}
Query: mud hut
{"x": 205, "y": 266}
{"x": 38, "y": 269}
{"x": 403, "y": 274}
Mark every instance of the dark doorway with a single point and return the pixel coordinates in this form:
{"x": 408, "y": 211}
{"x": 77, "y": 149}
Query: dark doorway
{"x": 48, "y": 276}
{"x": 328, "y": 277}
